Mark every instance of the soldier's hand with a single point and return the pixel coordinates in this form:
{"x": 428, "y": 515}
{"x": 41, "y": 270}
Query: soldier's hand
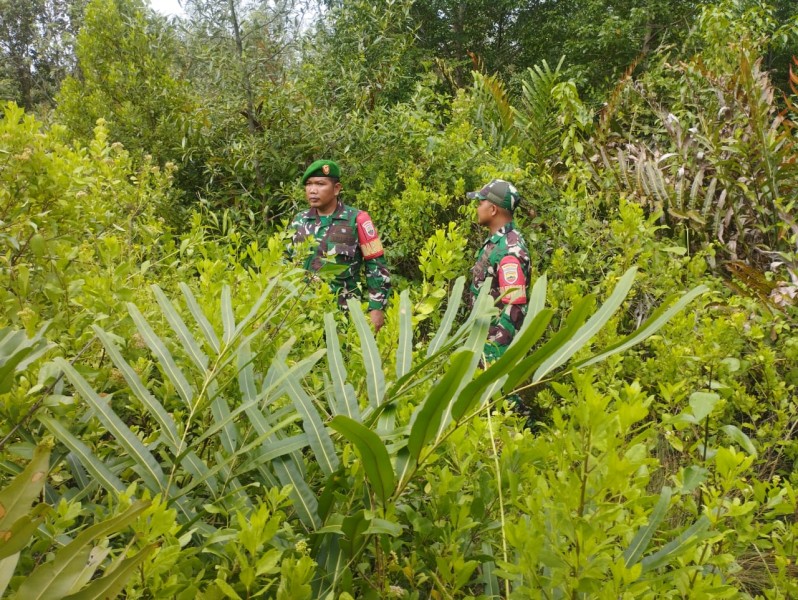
{"x": 377, "y": 319}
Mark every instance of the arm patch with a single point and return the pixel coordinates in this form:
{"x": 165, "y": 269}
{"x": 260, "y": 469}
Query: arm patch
{"x": 369, "y": 239}
{"x": 512, "y": 281}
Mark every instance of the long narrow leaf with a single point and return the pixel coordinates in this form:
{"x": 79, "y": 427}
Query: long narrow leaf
{"x": 318, "y": 436}
{"x": 675, "y": 546}
{"x": 146, "y": 465}
{"x": 110, "y": 585}
{"x": 16, "y": 499}
{"x": 589, "y": 329}
{"x": 448, "y": 317}
{"x": 202, "y": 321}
{"x": 141, "y": 392}
{"x": 7, "y": 566}
{"x": 643, "y": 537}
{"x": 374, "y": 456}
{"x": 430, "y": 412}
{"x": 658, "y": 318}
{"x": 91, "y": 463}
{"x": 228, "y": 318}
{"x": 375, "y": 378}
{"x": 166, "y": 360}
{"x": 304, "y": 501}
{"x": 344, "y": 394}
{"x": 404, "y": 350}
{"x": 190, "y": 344}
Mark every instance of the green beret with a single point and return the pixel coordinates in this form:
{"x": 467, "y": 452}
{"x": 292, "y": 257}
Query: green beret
{"x": 322, "y": 168}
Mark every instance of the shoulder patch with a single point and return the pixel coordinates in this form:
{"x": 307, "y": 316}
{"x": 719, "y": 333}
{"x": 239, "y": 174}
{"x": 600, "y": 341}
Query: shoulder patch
{"x": 370, "y": 244}
{"x": 512, "y": 281}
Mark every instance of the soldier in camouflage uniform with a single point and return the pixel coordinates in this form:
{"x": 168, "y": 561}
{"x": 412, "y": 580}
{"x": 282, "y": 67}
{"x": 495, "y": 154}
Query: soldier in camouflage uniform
{"x": 503, "y": 257}
{"x": 344, "y": 235}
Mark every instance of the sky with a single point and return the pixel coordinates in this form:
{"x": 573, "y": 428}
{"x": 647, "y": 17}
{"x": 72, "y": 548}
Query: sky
{"x": 167, "y": 7}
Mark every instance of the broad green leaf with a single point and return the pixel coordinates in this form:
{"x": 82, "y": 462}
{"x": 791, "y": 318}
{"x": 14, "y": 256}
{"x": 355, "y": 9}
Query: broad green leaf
{"x": 110, "y": 585}
{"x": 190, "y": 344}
{"x": 146, "y": 465}
{"x": 344, "y": 394}
{"x": 228, "y": 318}
{"x": 430, "y": 412}
{"x": 383, "y": 527}
{"x": 524, "y": 369}
{"x": 643, "y": 537}
{"x": 593, "y": 325}
{"x": 537, "y": 299}
{"x": 7, "y": 566}
{"x": 165, "y": 358}
{"x": 373, "y": 454}
{"x": 375, "y": 379}
{"x": 692, "y": 477}
{"x": 527, "y": 338}
{"x": 657, "y": 319}
{"x": 702, "y": 404}
{"x": 202, "y": 321}
{"x": 17, "y": 498}
{"x": 221, "y": 414}
{"x": 90, "y": 462}
{"x": 18, "y": 535}
{"x": 676, "y": 546}
{"x": 404, "y": 350}
{"x": 56, "y": 578}
{"x": 304, "y": 501}
{"x": 737, "y": 436}
{"x": 405, "y": 466}
{"x": 453, "y": 306}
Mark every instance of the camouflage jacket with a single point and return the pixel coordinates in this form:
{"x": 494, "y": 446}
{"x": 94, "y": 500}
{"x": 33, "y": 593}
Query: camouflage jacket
{"x": 347, "y": 237}
{"x": 503, "y": 257}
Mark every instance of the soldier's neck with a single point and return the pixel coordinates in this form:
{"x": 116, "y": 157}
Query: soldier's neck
{"x": 497, "y": 224}
{"x": 327, "y": 212}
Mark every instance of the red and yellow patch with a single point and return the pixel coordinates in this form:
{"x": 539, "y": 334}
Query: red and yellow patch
{"x": 512, "y": 282}
{"x": 370, "y": 244}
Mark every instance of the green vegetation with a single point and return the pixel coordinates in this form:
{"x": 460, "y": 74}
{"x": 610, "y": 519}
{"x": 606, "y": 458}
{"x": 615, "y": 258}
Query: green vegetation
{"x": 184, "y": 415}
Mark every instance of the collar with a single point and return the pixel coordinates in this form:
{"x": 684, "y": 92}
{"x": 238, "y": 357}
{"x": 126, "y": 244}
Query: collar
{"x": 500, "y": 233}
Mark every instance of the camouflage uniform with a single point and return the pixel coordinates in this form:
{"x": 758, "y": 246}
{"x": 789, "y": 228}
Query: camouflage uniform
{"x": 505, "y": 258}
{"x": 347, "y": 237}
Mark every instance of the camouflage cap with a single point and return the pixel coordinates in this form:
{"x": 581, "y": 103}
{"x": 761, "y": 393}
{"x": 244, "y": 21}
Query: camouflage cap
{"x": 322, "y": 168}
{"x": 499, "y": 192}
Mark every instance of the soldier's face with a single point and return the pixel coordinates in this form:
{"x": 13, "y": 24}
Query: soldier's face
{"x": 322, "y": 194}
{"x": 485, "y": 212}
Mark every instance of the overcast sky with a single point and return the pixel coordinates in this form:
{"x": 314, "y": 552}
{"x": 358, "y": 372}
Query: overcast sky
{"x": 167, "y": 7}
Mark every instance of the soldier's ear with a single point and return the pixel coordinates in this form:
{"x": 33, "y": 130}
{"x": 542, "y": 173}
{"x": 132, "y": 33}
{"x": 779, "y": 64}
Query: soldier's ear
{"x": 337, "y": 188}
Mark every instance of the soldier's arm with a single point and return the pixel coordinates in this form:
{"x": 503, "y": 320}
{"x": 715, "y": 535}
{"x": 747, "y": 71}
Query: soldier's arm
{"x": 378, "y": 278}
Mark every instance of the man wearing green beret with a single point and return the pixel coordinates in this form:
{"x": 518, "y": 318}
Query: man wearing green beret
{"x": 503, "y": 257}
{"x": 344, "y": 235}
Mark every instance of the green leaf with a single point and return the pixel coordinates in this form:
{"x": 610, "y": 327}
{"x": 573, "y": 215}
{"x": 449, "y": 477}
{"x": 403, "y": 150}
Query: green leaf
{"x": 643, "y": 537}
{"x": 383, "y": 527}
{"x": 404, "y": 350}
{"x": 702, "y": 404}
{"x": 7, "y": 566}
{"x": 675, "y": 546}
{"x": 190, "y": 344}
{"x": 155, "y": 408}
{"x": 318, "y": 436}
{"x": 345, "y": 398}
{"x": 146, "y": 465}
{"x": 158, "y": 348}
{"x": 524, "y": 369}
{"x": 110, "y": 585}
{"x": 200, "y": 318}
{"x": 442, "y": 334}
{"x": 16, "y": 498}
{"x": 91, "y": 463}
{"x": 375, "y": 379}
{"x": 527, "y": 338}
{"x": 228, "y": 318}
{"x": 16, "y": 537}
{"x": 373, "y": 454}
{"x": 430, "y": 412}
{"x": 55, "y": 579}
{"x": 657, "y": 319}
{"x": 302, "y": 497}
{"x": 740, "y": 438}
{"x": 580, "y": 339}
